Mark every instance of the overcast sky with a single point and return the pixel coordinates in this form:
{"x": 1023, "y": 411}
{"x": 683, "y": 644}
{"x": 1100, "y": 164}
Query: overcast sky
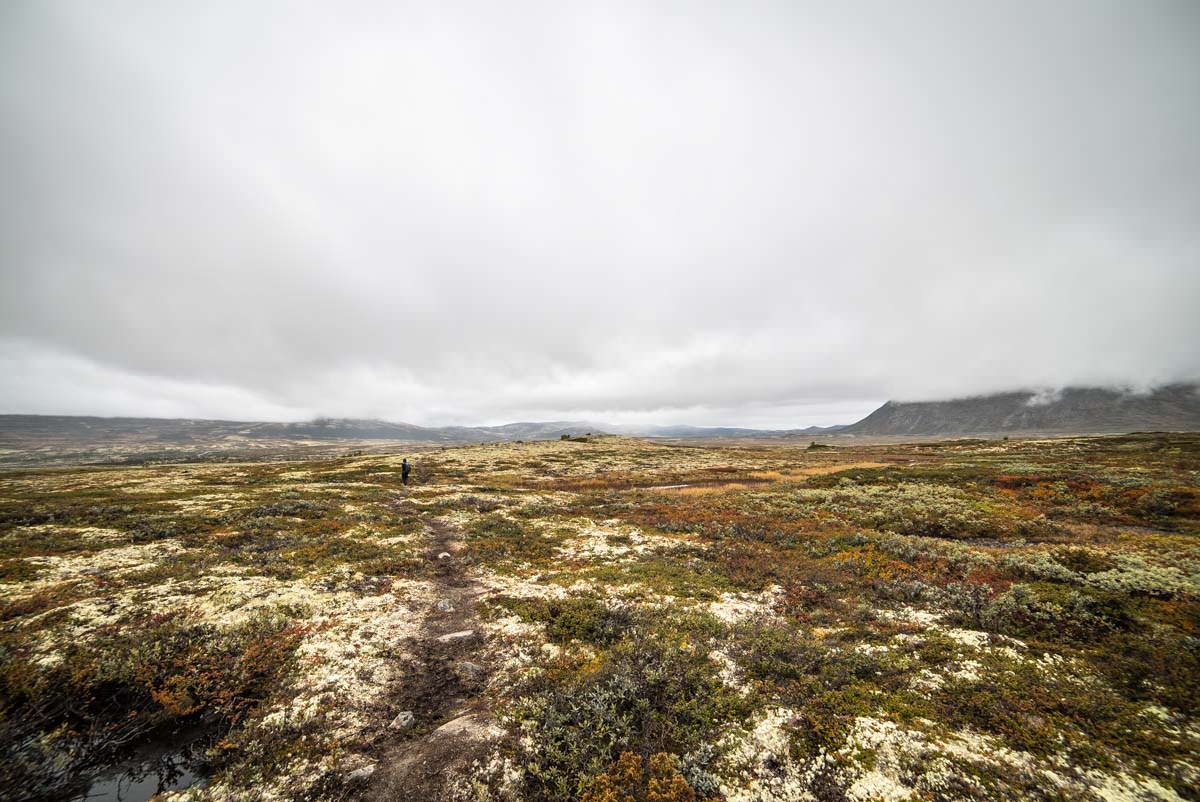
{"x": 771, "y": 214}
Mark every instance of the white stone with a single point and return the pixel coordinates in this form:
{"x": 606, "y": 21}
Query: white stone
{"x": 456, "y": 636}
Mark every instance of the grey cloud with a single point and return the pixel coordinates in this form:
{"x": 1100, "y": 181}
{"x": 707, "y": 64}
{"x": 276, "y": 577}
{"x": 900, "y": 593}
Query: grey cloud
{"x": 769, "y": 213}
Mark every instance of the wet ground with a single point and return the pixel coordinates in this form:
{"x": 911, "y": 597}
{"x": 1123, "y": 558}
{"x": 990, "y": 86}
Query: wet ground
{"x": 172, "y": 762}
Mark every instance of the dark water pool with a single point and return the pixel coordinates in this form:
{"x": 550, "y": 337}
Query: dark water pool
{"x": 173, "y": 762}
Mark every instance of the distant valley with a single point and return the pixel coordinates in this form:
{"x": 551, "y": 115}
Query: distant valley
{"x": 45, "y": 439}
{"x": 18, "y": 430}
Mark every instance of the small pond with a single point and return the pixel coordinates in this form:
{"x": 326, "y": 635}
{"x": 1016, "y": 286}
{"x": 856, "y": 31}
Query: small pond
{"x": 172, "y": 762}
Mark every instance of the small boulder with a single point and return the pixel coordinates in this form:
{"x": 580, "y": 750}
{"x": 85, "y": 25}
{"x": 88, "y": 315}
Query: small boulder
{"x": 454, "y": 637}
{"x": 445, "y": 555}
{"x": 403, "y": 721}
{"x": 469, "y": 671}
{"x": 444, "y": 606}
{"x": 361, "y": 774}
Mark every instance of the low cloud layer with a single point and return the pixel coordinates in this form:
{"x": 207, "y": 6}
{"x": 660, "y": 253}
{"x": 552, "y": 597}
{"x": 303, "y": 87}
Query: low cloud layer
{"x": 761, "y": 214}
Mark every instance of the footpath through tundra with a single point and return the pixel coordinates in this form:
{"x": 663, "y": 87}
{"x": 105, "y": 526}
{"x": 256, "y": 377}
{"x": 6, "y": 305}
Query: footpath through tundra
{"x": 445, "y": 724}
{"x": 560, "y": 621}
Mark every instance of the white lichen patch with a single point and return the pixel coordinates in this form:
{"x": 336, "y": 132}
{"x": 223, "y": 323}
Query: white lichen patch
{"x": 926, "y": 680}
{"x": 526, "y": 585}
{"x": 209, "y": 502}
{"x": 758, "y": 765}
{"x": 492, "y": 780}
{"x": 728, "y": 671}
{"x": 1128, "y": 788}
{"x": 106, "y": 561}
{"x": 146, "y": 482}
{"x": 967, "y": 637}
{"x": 348, "y": 660}
{"x": 882, "y": 777}
{"x": 232, "y": 600}
{"x": 85, "y": 616}
{"x": 98, "y": 536}
{"x": 734, "y": 608}
{"x": 967, "y": 671}
{"x": 346, "y": 663}
{"x": 882, "y": 760}
{"x": 911, "y": 615}
{"x": 514, "y": 645}
{"x": 608, "y": 540}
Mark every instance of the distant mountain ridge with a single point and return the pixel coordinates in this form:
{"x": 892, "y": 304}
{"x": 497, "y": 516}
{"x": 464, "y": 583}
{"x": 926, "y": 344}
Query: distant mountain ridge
{"x": 1073, "y": 410}
{"x": 32, "y": 430}
{"x": 86, "y": 430}
{"x": 1079, "y": 410}
{"x": 691, "y": 432}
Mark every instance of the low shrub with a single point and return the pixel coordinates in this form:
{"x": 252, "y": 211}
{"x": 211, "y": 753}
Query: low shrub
{"x": 496, "y": 538}
{"x": 1042, "y": 610}
{"x": 644, "y": 696}
{"x": 576, "y": 618}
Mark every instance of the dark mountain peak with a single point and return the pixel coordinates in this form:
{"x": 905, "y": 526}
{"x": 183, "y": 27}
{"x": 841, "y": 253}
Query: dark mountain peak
{"x": 1070, "y": 410}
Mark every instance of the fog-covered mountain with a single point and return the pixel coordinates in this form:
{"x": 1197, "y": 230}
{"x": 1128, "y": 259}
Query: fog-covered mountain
{"x": 1075, "y": 410}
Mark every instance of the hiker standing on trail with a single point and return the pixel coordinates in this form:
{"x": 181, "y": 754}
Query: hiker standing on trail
{"x": 405, "y": 469}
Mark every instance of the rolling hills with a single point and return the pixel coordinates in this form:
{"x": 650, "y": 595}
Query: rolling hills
{"x": 41, "y": 439}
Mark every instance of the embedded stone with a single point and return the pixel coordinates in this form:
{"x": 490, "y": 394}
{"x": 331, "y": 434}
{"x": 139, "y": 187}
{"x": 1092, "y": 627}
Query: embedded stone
{"x": 453, "y": 637}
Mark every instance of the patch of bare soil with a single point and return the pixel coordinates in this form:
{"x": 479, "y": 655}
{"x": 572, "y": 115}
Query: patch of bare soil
{"x": 443, "y": 724}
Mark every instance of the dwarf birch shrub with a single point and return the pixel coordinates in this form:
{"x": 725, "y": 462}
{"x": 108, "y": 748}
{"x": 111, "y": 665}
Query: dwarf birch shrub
{"x": 915, "y": 508}
{"x": 645, "y": 696}
{"x": 1050, "y": 611}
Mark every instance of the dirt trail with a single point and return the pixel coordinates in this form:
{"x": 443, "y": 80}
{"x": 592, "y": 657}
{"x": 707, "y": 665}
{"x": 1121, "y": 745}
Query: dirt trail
{"x": 442, "y": 688}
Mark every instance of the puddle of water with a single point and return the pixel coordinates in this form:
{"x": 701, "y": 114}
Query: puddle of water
{"x": 174, "y": 763}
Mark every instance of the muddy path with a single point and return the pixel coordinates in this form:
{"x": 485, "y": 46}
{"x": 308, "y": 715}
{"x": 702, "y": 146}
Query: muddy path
{"x": 443, "y": 722}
